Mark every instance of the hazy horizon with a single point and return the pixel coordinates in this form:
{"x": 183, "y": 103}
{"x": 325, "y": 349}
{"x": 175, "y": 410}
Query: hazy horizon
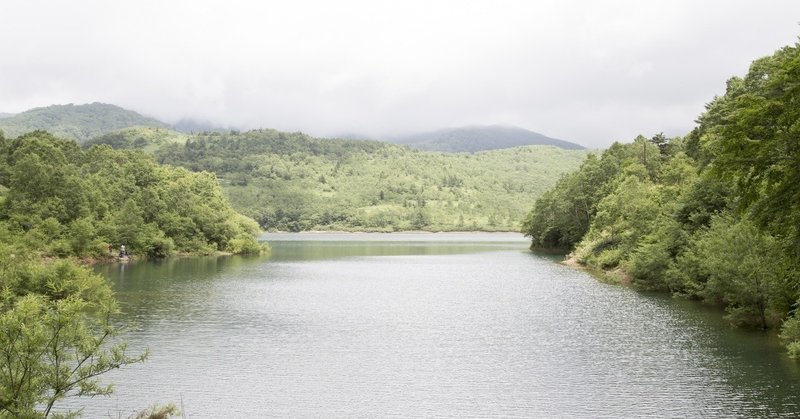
{"x": 584, "y": 72}
{"x": 350, "y": 135}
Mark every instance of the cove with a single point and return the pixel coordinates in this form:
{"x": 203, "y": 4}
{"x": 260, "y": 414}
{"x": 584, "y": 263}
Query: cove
{"x": 428, "y": 325}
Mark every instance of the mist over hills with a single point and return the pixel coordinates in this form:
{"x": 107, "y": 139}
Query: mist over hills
{"x": 191, "y": 125}
{"x": 295, "y": 182}
{"x": 84, "y": 122}
{"x": 480, "y": 138}
{"x": 78, "y": 122}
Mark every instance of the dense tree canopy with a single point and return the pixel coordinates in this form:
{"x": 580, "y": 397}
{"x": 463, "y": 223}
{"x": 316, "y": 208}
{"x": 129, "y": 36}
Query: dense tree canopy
{"x": 290, "y": 181}
{"x": 76, "y": 122}
{"x": 71, "y": 201}
{"x": 56, "y": 333}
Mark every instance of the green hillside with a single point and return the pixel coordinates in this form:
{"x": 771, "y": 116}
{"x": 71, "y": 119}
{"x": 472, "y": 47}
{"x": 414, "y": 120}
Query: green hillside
{"x": 63, "y": 200}
{"x": 480, "y": 138}
{"x": 290, "y": 181}
{"x": 78, "y": 122}
{"x": 139, "y": 137}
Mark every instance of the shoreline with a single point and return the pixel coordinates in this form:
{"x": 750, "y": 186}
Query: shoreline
{"x": 132, "y": 258}
{"x": 614, "y": 276}
{"x": 392, "y": 232}
{"x": 111, "y": 259}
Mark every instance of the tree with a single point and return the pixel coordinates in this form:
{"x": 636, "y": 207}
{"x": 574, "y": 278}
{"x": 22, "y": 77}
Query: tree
{"x": 420, "y": 219}
{"x": 752, "y": 135}
{"x": 650, "y": 262}
{"x": 790, "y": 334}
{"x": 746, "y": 271}
{"x": 623, "y": 218}
{"x": 661, "y": 142}
{"x": 56, "y": 335}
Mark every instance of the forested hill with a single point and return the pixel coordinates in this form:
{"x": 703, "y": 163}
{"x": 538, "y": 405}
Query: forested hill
{"x": 189, "y": 125}
{"x": 291, "y": 181}
{"x": 77, "y": 122}
{"x": 59, "y": 200}
{"x": 139, "y": 137}
{"x": 714, "y": 216}
{"x": 480, "y": 138}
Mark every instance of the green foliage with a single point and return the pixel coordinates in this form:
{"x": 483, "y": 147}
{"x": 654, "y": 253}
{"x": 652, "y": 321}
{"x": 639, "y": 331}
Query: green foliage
{"x": 563, "y": 215}
{"x": 751, "y": 135}
{"x": 139, "y": 137}
{"x": 623, "y": 218}
{"x": 64, "y": 200}
{"x": 790, "y": 334}
{"x": 706, "y": 197}
{"x": 158, "y": 412}
{"x": 56, "y": 334}
{"x": 77, "y": 122}
{"x": 246, "y": 245}
{"x": 293, "y": 182}
{"x": 746, "y": 271}
{"x": 654, "y": 256}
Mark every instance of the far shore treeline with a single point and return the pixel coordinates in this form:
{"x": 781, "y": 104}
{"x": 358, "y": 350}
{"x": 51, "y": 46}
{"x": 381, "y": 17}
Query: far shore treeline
{"x": 63, "y": 200}
{"x": 713, "y": 216}
{"x": 295, "y": 182}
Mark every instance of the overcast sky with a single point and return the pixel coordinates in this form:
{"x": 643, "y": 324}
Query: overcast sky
{"x": 586, "y": 71}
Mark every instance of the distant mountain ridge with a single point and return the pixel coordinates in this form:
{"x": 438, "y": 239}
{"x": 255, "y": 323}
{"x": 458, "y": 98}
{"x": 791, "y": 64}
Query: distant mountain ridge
{"x": 293, "y": 181}
{"x": 79, "y": 122}
{"x": 480, "y": 138}
{"x": 84, "y": 122}
{"x": 191, "y": 125}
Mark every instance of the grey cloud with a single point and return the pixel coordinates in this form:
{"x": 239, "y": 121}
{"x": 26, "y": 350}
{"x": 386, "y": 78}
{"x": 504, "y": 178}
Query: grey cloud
{"x": 588, "y": 72}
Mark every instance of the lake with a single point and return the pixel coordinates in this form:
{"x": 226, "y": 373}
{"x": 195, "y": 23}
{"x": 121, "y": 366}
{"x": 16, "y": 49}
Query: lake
{"x": 428, "y": 325}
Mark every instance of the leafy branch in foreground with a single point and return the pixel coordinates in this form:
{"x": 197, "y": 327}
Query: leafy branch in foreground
{"x": 56, "y": 336}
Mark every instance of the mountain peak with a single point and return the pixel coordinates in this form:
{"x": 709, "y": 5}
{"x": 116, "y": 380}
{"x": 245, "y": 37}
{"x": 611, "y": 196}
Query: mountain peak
{"x": 480, "y": 138}
{"x": 79, "y": 122}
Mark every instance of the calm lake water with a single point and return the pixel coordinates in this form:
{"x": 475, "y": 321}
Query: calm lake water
{"x": 428, "y": 325}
